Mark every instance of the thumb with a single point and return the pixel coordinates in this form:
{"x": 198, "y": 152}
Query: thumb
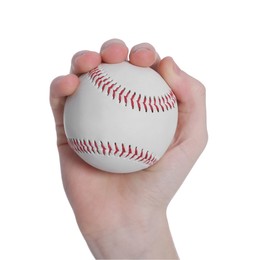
{"x": 189, "y": 91}
{"x": 191, "y": 98}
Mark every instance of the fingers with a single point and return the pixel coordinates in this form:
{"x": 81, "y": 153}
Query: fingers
{"x": 115, "y": 51}
{"x": 112, "y": 51}
{"x": 143, "y": 54}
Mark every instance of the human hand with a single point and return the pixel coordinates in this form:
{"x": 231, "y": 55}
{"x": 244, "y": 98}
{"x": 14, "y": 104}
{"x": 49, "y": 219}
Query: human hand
{"x": 130, "y": 209}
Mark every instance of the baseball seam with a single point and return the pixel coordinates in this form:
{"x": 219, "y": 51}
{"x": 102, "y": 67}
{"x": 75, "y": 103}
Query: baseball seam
{"x": 112, "y": 149}
{"x": 101, "y": 80}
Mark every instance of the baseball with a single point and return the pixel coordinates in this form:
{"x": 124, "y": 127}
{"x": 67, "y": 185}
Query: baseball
{"x": 122, "y": 118}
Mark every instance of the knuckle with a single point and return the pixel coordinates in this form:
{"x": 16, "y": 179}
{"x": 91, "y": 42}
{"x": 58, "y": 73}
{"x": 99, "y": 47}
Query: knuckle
{"x": 201, "y": 89}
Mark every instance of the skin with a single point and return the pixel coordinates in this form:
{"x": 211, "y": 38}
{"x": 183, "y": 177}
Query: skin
{"x": 124, "y": 215}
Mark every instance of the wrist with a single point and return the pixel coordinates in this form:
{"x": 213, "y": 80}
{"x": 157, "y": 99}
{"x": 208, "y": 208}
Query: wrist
{"x": 136, "y": 238}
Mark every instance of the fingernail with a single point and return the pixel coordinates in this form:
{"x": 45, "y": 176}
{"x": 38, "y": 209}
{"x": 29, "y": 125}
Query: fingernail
{"x": 80, "y": 53}
{"x": 77, "y": 55}
{"x": 109, "y": 42}
{"x": 142, "y": 47}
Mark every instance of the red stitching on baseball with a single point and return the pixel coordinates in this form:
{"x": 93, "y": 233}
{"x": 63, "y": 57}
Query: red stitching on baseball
{"x": 102, "y": 81}
{"x": 135, "y": 153}
{"x": 91, "y": 145}
{"x": 129, "y": 151}
{"x": 123, "y": 151}
{"x": 150, "y": 104}
{"x": 160, "y": 104}
{"x": 132, "y": 100}
{"x": 97, "y": 148}
{"x": 155, "y": 104}
{"x": 105, "y": 85}
{"x": 103, "y": 148}
{"x": 138, "y": 102}
{"x": 126, "y": 97}
{"x": 109, "y": 89}
{"x": 120, "y": 95}
{"x": 144, "y": 103}
{"x": 116, "y": 149}
{"x": 86, "y": 146}
{"x": 107, "y": 149}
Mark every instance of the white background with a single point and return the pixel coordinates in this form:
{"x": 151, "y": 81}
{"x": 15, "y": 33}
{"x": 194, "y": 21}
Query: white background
{"x": 217, "y": 212}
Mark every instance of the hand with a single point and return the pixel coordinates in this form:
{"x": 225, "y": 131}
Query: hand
{"x": 129, "y": 210}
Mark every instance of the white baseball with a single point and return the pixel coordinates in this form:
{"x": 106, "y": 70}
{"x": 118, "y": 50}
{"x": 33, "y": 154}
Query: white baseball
{"x": 122, "y": 118}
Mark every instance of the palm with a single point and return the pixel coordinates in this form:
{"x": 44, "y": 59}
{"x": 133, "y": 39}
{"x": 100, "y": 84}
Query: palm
{"x": 94, "y": 194}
